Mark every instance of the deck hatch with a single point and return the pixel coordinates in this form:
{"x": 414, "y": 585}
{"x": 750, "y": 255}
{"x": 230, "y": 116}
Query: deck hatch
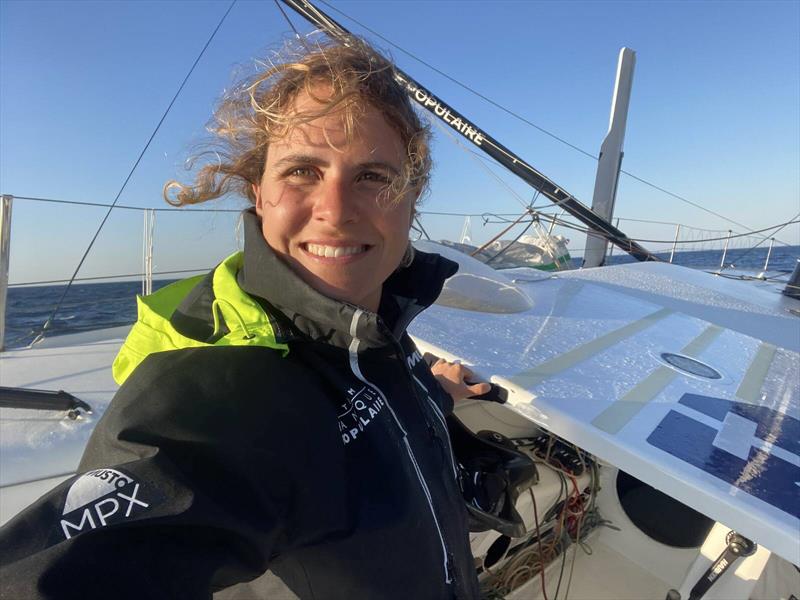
{"x": 690, "y": 365}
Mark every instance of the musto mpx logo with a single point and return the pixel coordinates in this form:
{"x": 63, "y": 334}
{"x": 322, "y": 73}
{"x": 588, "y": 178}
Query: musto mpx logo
{"x": 99, "y": 498}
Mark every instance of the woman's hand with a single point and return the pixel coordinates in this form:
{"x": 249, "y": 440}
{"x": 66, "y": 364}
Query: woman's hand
{"x": 456, "y": 379}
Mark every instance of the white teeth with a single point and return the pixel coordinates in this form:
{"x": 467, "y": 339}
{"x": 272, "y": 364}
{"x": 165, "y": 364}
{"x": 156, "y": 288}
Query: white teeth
{"x": 334, "y": 251}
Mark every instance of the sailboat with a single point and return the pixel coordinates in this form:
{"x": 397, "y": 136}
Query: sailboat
{"x": 659, "y": 404}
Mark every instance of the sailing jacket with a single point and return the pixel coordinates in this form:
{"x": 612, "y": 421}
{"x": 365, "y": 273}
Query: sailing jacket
{"x": 259, "y": 425}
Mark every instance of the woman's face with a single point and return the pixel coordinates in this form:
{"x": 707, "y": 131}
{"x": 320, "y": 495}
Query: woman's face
{"x": 324, "y": 208}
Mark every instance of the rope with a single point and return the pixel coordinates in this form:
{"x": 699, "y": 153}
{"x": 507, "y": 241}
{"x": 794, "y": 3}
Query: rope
{"x": 49, "y": 320}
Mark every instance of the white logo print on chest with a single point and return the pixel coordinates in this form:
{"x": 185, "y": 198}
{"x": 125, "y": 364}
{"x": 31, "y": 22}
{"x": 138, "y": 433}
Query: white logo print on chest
{"x": 357, "y": 411}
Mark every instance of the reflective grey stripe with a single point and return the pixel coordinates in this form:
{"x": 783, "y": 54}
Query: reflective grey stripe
{"x": 353, "y": 351}
{"x": 430, "y": 505}
{"x": 535, "y": 375}
{"x": 621, "y": 412}
{"x": 753, "y": 380}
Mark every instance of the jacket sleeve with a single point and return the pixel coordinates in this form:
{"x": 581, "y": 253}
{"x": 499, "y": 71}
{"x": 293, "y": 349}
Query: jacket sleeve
{"x": 190, "y": 483}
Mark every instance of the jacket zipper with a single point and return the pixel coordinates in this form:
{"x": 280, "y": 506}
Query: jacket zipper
{"x": 354, "y": 367}
{"x": 438, "y": 412}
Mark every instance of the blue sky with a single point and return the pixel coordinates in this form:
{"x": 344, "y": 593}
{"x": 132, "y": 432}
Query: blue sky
{"x": 714, "y": 116}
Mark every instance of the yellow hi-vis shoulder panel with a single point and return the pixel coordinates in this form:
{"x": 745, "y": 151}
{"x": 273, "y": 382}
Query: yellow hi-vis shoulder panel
{"x": 248, "y": 323}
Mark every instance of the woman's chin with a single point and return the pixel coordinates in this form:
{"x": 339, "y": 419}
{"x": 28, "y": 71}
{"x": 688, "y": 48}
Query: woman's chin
{"x": 351, "y": 292}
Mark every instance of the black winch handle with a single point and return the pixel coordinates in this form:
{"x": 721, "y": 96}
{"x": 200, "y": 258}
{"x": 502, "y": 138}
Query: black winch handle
{"x": 738, "y": 545}
{"x": 11, "y": 397}
{"x": 497, "y": 393}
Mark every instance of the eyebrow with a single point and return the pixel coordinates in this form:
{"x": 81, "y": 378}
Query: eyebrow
{"x": 307, "y": 159}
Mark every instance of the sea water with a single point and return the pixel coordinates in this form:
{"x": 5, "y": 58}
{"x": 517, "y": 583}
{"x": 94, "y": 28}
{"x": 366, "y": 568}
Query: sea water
{"x": 90, "y": 306}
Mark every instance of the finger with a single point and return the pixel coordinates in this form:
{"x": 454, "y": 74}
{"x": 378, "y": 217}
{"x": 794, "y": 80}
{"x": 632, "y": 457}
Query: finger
{"x": 479, "y": 389}
{"x": 468, "y": 374}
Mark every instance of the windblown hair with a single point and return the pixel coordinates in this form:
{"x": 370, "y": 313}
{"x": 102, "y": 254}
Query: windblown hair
{"x": 260, "y": 111}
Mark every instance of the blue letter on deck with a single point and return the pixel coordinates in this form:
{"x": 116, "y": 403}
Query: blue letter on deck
{"x": 753, "y": 448}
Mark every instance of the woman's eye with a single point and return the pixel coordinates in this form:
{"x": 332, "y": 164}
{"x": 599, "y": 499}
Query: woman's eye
{"x": 375, "y": 176}
{"x": 299, "y": 173}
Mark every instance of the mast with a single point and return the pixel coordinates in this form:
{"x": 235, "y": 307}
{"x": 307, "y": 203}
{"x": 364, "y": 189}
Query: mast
{"x": 610, "y": 162}
{"x": 485, "y": 142}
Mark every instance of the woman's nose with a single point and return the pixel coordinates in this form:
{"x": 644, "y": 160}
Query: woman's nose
{"x": 335, "y": 203}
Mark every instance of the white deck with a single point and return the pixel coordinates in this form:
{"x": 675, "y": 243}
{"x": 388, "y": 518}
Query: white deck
{"x": 584, "y": 362}
{"x": 40, "y": 445}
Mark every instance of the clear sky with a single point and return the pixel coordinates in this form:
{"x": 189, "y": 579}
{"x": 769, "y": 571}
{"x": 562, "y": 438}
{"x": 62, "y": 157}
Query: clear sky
{"x": 714, "y": 116}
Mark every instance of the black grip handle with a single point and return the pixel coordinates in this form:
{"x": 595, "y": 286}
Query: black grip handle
{"x": 738, "y": 545}
{"x": 497, "y": 394}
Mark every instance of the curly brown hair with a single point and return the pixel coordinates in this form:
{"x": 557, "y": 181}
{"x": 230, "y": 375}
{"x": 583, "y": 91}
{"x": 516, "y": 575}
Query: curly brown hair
{"x": 258, "y": 112}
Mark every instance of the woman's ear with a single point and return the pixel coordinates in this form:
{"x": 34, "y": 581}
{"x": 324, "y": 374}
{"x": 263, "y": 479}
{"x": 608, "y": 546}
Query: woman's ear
{"x": 413, "y": 212}
{"x": 257, "y": 194}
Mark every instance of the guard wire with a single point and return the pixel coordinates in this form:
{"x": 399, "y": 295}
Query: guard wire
{"x": 571, "y": 225}
{"x": 125, "y": 206}
{"x": 49, "y": 320}
{"x": 790, "y": 222}
{"x": 100, "y": 277}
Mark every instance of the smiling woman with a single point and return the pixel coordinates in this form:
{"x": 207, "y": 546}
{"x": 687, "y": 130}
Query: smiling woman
{"x": 274, "y": 417}
{"x": 324, "y": 205}
{"x": 333, "y": 162}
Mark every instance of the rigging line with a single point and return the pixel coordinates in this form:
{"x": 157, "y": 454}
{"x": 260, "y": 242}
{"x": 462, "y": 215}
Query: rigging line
{"x": 514, "y": 241}
{"x": 285, "y": 16}
{"x": 527, "y": 212}
{"x": 682, "y": 199}
{"x": 731, "y": 264}
{"x": 527, "y": 121}
{"x": 463, "y": 85}
{"x": 419, "y": 224}
{"x": 486, "y": 168}
{"x": 125, "y": 206}
{"x": 483, "y": 163}
{"x": 130, "y": 174}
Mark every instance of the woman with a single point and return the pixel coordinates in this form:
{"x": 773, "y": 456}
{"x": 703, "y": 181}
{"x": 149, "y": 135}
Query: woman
{"x": 274, "y": 414}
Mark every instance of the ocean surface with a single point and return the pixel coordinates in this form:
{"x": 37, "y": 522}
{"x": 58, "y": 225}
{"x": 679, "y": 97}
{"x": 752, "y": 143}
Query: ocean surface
{"x": 90, "y": 306}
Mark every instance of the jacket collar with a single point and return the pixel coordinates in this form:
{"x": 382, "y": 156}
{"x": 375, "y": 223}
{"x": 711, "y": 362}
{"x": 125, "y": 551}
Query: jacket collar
{"x": 406, "y": 293}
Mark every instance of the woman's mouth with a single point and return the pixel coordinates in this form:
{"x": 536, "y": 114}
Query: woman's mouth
{"x": 326, "y": 251}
